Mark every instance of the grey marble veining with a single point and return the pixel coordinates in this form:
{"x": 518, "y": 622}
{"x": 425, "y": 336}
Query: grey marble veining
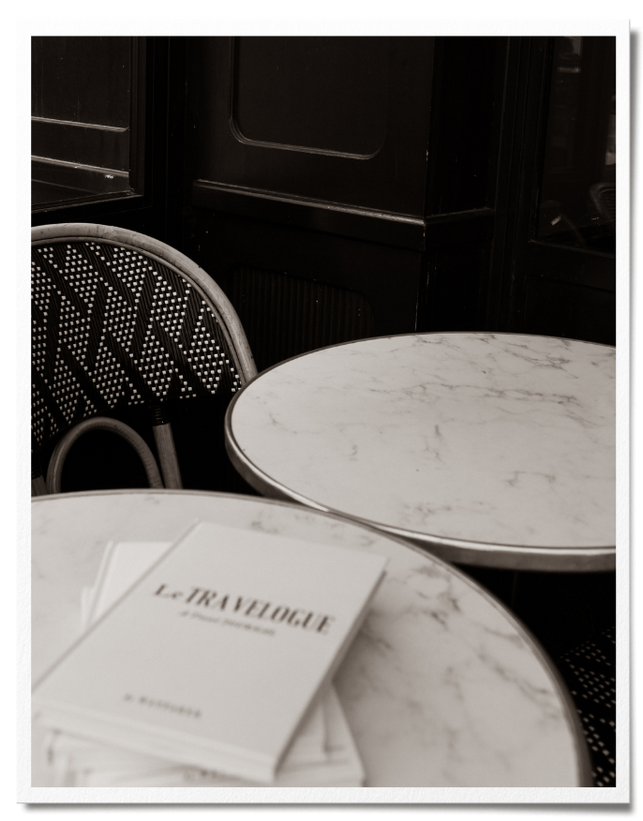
{"x": 489, "y": 439}
{"x": 441, "y": 686}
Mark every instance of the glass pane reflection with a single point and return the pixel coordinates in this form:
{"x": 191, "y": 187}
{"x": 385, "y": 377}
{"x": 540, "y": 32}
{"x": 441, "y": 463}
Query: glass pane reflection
{"x": 578, "y": 190}
{"x": 80, "y": 125}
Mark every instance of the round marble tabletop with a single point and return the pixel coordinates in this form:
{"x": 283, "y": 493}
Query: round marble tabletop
{"x": 488, "y": 449}
{"x": 442, "y": 687}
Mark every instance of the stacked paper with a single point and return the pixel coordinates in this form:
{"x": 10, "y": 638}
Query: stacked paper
{"x": 322, "y": 754}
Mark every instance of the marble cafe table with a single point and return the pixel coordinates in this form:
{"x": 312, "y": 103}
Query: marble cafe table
{"x": 442, "y": 687}
{"x": 488, "y": 449}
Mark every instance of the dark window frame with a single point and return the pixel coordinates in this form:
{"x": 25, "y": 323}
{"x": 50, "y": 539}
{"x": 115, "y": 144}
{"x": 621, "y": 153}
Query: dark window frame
{"x": 521, "y": 264}
{"x": 143, "y": 206}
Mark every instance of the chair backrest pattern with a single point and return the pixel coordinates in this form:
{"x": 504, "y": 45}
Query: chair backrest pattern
{"x": 113, "y": 327}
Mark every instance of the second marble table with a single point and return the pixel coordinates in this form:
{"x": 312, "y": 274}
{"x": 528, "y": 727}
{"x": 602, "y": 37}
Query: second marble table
{"x": 488, "y": 449}
{"x": 441, "y": 688}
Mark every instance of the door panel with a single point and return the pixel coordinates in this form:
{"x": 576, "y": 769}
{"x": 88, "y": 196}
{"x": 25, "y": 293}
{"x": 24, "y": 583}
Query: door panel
{"x": 308, "y": 183}
{"x": 334, "y": 120}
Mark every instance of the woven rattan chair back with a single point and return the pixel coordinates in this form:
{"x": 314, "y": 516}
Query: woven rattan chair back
{"x": 121, "y": 319}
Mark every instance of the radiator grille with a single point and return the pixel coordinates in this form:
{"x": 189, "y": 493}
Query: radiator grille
{"x": 285, "y": 315}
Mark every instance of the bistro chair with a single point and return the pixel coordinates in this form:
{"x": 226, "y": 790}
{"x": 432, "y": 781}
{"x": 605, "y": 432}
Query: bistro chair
{"x": 589, "y": 671}
{"x": 118, "y": 320}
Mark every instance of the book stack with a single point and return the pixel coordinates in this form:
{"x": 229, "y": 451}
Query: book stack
{"x": 209, "y": 662}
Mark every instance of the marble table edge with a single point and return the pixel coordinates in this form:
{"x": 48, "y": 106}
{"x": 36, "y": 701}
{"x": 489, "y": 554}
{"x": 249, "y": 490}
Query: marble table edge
{"x": 479, "y": 334}
{"x": 484, "y": 554}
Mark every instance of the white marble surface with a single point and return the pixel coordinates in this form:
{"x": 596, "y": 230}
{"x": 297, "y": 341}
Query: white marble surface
{"x": 498, "y": 449}
{"x": 441, "y": 687}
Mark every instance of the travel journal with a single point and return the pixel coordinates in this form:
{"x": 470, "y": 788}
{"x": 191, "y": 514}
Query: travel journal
{"x": 323, "y": 752}
{"x": 78, "y": 762}
{"x": 215, "y": 656}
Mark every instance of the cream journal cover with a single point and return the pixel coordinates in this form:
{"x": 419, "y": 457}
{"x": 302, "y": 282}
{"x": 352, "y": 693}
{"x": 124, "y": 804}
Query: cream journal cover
{"x": 215, "y": 655}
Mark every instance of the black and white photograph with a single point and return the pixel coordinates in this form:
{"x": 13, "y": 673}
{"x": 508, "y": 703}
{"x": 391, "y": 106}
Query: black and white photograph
{"x": 329, "y": 409}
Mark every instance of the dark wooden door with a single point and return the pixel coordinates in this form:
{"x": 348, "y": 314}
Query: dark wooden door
{"x": 343, "y": 187}
{"x": 308, "y": 183}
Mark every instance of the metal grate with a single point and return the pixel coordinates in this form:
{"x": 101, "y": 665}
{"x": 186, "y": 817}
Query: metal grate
{"x": 284, "y": 315}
